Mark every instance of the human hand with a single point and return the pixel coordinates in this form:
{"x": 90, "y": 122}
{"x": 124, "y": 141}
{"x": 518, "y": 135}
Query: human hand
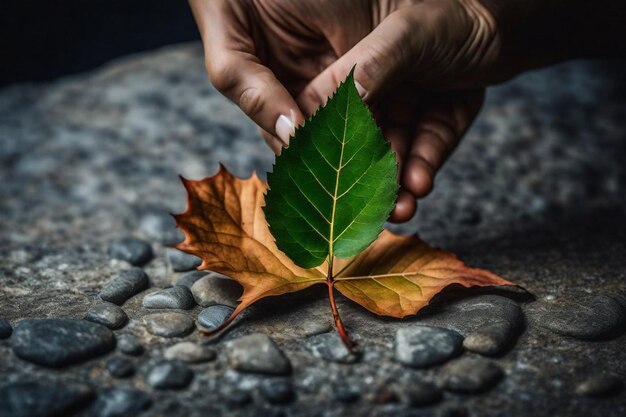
{"x": 421, "y": 65}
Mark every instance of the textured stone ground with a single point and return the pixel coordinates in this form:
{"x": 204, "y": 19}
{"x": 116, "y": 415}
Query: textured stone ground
{"x": 535, "y": 193}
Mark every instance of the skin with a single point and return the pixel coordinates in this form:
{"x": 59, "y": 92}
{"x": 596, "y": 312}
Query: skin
{"x": 422, "y": 65}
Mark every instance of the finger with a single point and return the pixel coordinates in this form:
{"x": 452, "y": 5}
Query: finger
{"x": 438, "y": 133}
{"x": 272, "y": 141}
{"x": 406, "y": 206}
{"x": 381, "y": 58}
{"x": 237, "y": 72}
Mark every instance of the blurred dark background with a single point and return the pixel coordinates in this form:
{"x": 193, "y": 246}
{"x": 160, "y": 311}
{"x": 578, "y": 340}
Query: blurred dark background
{"x": 41, "y": 40}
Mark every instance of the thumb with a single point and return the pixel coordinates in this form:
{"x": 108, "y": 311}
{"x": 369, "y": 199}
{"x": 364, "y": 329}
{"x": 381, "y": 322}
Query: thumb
{"x": 382, "y": 60}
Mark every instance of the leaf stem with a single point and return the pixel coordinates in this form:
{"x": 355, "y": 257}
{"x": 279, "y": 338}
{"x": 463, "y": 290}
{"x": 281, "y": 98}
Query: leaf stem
{"x": 343, "y": 334}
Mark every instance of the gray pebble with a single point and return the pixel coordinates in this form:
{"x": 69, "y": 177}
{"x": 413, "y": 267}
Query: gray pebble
{"x": 189, "y": 278}
{"x": 424, "y": 346}
{"x": 277, "y": 391}
{"x": 214, "y": 316}
{"x": 119, "y": 367}
{"x": 235, "y": 396}
{"x": 129, "y": 345}
{"x": 419, "y": 394}
{"x": 182, "y": 261}
{"x": 177, "y": 297}
{"x": 169, "y": 375}
{"x": 170, "y": 324}
{"x": 328, "y": 346}
{"x": 600, "y": 386}
{"x": 189, "y": 352}
{"x": 216, "y": 289}
{"x": 346, "y": 395}
{"x": 124, "y": 285}
{"x": 257, "y": 353}
{"x": 135, "y": 251}
{"x": 470, "y": 375}
{"x": 107, "y": 314}
{"x": 33, "y": 399}
{"x": 160, "y": 226}
{"x": 491, "y": 339}
{"x": 120, "y": 402}
{"x": 5, "y": 329}
{"x": 60, "y": 342}
{"x": 586, "y": 317}
{"x": 314, "y": 327}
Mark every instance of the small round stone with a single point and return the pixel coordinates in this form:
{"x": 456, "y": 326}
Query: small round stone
{"x": 216, "y": 289}
{"x": 5, "y": 329}
{"x": 189, "y": 278}
{"x": 471, "y": 375}
{"x": 182, "y": 261}
{"x": 177, "y": 297}
{"x": 132, "y": 250}
{"x": 124, "y": 285}
{"x": 314, "y": 327}
{"x": 424, "y": 346}
{"x": 120, "y": 402}
{"x": 214, "y": 316}
{"x": 189, "y": 352}
{"x": 60, "y": 342}
{"x": 257, "y": 353}
{"x": 600, "y": 386}
{"x": 419, "y": 394}
{"x": 169, "y": 375}
{"x": 346, "y": 395}
{"x": 129, "y": 345}
{"x": 107, "y": 314}
{"x": 277, "y": 391}
{"x": 170, "y": 324}
{"x": 235, "y": 396}
{"x": 160, "y": 226}
{"x": 328, "y": 346}
{"x": 586, "y": 318}
{"x": 120, "y": 367}
{"x": 29, "y": 399}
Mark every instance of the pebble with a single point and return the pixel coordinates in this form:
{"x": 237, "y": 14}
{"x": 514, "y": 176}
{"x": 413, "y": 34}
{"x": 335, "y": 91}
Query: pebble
{"x": 182, "y": 261}
{"x": 235, "y": 396}
{"x": 5, "y": 329}
{"x": 214, "y": 316}
{"x": 490, "y": 323}
{"x": 419, "y": 394}
{"x": 585, "y": 317}
{"x": 424, "y": 346}
{"x": 189, "y": 278}
{"x": 160, "y": 226}
{"x": 258, "y": 353}
{"x": 277, "y": 391}
{"x": 470, "y": 375}
{"x": 189, "y": 352}
{"x": 169, "y": 375}
{"x": 60, "y": 342}
{"x": 328, "y": 346}
{"x": 346, "y": 395}
{"x": 120, "y": 402}
{"x": 107, "y": 314}
{"x": 177, "y": 297}
{"x": 314, "y": 327}
{"x": 130, "y": 249}
{"x": 120, "y": 367}
{"x": 216, "y": 289}
{"x": 129, "y": 345}
{"x": 124, "y": 285}
{"x": 600, "y": 386}
{"x": 169, "y": 324}
{"x": 34, "y": 399}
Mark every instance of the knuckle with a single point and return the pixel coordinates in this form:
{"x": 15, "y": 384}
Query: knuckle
{"x": 221, "y": 74}
{"x": 251, "y": 101}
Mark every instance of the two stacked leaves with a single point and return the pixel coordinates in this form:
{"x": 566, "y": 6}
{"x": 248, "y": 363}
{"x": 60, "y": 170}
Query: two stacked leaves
{"x": 328, "y": 197}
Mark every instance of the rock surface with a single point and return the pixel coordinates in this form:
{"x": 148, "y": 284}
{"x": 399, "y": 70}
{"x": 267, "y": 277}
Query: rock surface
{"x": 129, "y": 345}
{"x": 178, "y": 297}
{"x": 216, "y": 289}
{"x": 60, "y": 342}
{"x": 132, "y": 250}
{"x": 423, "y": 346}
{"x": 120, "y": 402}
{"x": 169, "y": 324}
{"x": 257, "y": 353}
{"x": 120, "y": 367}
{"x": 5, "y": 329}
{"x": 600, "y": 386}
{"x": 329, "y": 347}
{"x": 124, "y": 285}
{"x": 182, "y": 261}
{"x": 277, "y": 391}
{"x": 214, "y": 316}
{"x": 107, "y": 314}
{"x": 169, "y": 375}
{"x": 188, "y": 279}
{"x": 189, "y": 352}
{"x": 33, "y": 399}
{"x": 471, "y": 375}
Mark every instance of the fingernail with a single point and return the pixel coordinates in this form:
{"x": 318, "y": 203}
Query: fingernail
{"x": 362, "y": 91}
{"x": 285, "y": 128}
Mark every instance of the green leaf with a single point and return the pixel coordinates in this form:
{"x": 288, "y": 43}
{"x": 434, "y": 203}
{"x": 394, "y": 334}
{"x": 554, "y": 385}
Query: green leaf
{"x": 333, "y": 188}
